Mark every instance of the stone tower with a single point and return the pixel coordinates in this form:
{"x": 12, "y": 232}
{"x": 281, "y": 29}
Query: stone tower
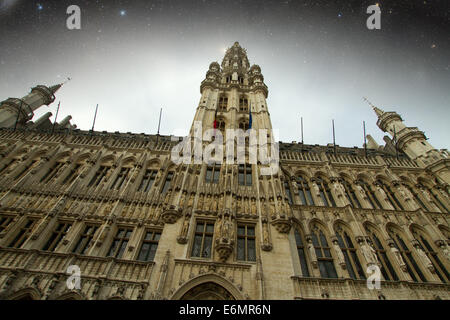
{"x": 25, "y": 107}
{"x": 414, "y": 144}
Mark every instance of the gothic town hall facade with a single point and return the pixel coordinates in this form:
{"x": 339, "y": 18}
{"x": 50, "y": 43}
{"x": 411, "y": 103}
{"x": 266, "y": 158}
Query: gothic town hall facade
{"x": 115, "y": 207}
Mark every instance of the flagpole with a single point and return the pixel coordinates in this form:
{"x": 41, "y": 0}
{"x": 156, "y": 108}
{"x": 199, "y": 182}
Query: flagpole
{"x": 18, "y": 114}
{"x": 365, "y": 142}
{"x": 95, "y": 117}
{"x": 395, "y": 143}
{"x": 159, "y": 125}
{"x": 334, "y": 138}
{"x": 56, "y": 116}
{"x": 301, "y": 125}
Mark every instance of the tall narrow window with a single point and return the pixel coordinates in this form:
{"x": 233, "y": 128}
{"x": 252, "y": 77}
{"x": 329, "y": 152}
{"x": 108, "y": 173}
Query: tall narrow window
{"x": 223, "y": 103}
{"x": 85, "y": 239}
{"x": 167, "y": 182}
{"x": 121, "y": 176}
{"x": 202, "y": 246}
{"x": 4, "y": 222}
{"x": 243, "y": 104}
{"x": 11, "y": 163}
{"x": 120, "y": 242}
{"x": 390, "y": 195}
{"x": 23, "y": 234}
{"x": 246, "y": 250}
{"x": 245, "y": 174}
{"x": 387, "y": 270}
{"x": 287, "y": 188}
{"x": 425, "y": 245}
{"x": 98, "y": 176}
{"x": 25, "y": 169}
{"x": 304, "y": 191}
{"x": 351, "y": 195}
{"x": 411, "y": 265}
{"x": 212, "y": 174}
{"x": 58, "y": 234}
{"x": 323, "y": 253}
{"x": 301, "y": 253}
{"x": 72, "y": 174}
{"x": 437, "y": 201}
{"x": 147, "y": 180}
{"x": 416, "y": 197}
{"x": 351, "y": 257}
{"x": 325, "y": 193}
{"x": 52, "y": 172}
{"x": 373, "y": 200}
{"x": 149, "y": 246}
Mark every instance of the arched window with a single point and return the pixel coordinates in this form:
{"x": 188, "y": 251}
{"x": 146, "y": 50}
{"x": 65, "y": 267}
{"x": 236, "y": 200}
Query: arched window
{"x": 436, "y": 200}
{"x": 390, "y": 195}
{"x": 299, "y": 240}
{"x": 74, "y": 171}
{"x": 426, "y": 246}
{"x": 244, "y": 125}
{"x": 221, "y": 125}
{"x": 373, "y": 200}
{"x": 416, "y": 196}
{"x": 243, "y": 104}
{"x": 351, "y": 257}
{"x": 121, "y": 177}
{"x": 223, "y": 103}
{"x": 304, "y": 191}
{"x": 99, "y": 175}
{"x": 411, "y": 265}
{"x": 387, "y": 270}
{"x": 27, "y": 165}
{"x": 325, "y": 193}
{"x": 350, "y": 194}
{"x": 167, "y": 182}
{"x": 287, "y": 188}
{"x": 53, "y": 170}
{"x": 323, "y": 253}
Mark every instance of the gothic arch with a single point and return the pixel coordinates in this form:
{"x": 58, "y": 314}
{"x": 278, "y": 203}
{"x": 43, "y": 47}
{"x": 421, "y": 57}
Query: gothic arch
{"x": 154, "y": 163}
{"x": 305, "y": 174}
{"x": 26, "y": 294}
{"x": 71, "y": 295}
{"x": 63, "y": 154}
{"x": 319, "y": 222}
{"x": 203, "y": 280}
{"x": 128, "y": 161}
{"x": 342, "y": 223}
{"x": 445, "y": 230}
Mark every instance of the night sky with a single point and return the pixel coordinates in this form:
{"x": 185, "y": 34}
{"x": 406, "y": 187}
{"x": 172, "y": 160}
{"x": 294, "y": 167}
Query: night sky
{"x": 318, "y": 59}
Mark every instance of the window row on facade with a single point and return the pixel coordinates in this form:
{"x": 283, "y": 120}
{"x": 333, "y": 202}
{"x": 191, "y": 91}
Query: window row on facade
{"x": 393, "y": 255}
{"x": 202, "y": 243}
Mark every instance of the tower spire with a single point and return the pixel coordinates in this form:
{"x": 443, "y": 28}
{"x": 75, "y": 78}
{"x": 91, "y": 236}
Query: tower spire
{"x": 378, "y": 111}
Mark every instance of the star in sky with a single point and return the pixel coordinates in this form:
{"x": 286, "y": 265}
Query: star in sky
{"x": 123, "y": 12}
{"x": 40, "y": 6}
{"x": 339, "y": 15}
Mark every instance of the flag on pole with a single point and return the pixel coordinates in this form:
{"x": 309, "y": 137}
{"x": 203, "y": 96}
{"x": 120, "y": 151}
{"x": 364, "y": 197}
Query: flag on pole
{"x": 215, "y": 120}
{"x": 250, "y": 116}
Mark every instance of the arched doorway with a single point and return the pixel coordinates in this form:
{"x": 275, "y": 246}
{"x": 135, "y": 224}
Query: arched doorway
{"x": 208, "y": 287}
{"x": 208, "y": 291}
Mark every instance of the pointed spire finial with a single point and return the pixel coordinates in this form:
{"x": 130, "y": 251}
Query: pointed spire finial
{"x": 378, "y": 111}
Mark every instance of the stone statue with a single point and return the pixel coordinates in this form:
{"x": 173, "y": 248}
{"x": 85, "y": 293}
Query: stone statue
{"x": 398, "y": 256}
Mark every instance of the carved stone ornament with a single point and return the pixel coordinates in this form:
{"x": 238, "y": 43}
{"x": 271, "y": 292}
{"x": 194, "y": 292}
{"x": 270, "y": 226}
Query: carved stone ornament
{"x": 282, "y": 225}
{"x": 170, "y": 216}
